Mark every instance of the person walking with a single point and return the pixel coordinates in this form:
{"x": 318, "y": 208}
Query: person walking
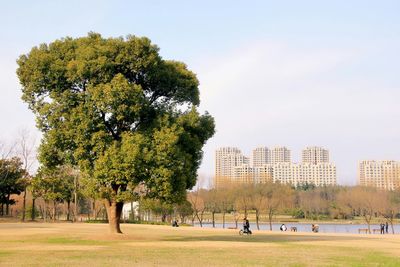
{"x": 387, "y": 227}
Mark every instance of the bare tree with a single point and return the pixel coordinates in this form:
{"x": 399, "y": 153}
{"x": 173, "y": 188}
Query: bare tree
{"x": 276, "y": 197}
{"x": 257, "y": 199}
{"x": 26, "y": 150}
{"x": 364, "y": 201}
{"x": 389, "y": 205}
{"x": 196, "y": 198}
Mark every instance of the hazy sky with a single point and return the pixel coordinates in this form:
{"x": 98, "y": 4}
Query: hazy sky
{"x": 294, "y": 73}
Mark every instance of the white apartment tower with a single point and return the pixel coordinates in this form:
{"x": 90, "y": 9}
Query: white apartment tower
{"x": 264, "y": 155}
{"x": 261, "y": 156}
{"x": 315, "y": 155}
{"x": 280, "y": 154}
{"x": 226, "y": 159}
{"x": 296, "y": 174}
{"x": 273, "y": 165}
{"x": 383, "y": 174}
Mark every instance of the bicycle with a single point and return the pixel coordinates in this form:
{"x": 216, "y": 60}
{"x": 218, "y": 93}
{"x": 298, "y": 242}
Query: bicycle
{"x": 245, "y": 231}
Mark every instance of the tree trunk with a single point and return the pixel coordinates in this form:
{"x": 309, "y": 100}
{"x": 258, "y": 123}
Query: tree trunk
{"x": 257, "y": 219}
{"x": 200, "y": 219}
{"x": 33, "y": 209}
{"x": 270, "y": 214}
{"x": 23, "y": 206}
{"x": 68, "y": 209}
{"x": 223, "y": 219}
{"x": 7, "y": 205}
{"x": 114, "y": 210}
{"x": 132, "y": 215}
{"x": 94, "y": 209}
{"x": 213, "y": 219}
{"x": 54, "y": 210}
{"x": 45, "y": 211}
{"x": 368, "y": 221}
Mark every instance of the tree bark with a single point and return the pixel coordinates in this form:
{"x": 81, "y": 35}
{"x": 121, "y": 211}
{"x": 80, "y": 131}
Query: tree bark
{"x": 68, "y": 209}
{"x": 7, "y": 205}
{"x": 270, "y": 214}
{"x": 94, "y": 209}
{"x": 33, "y": 209}
{"x": 23, "y": 206}
{"x": 257, "y": 219}
{"x": 114, "y": 211}
{"x": 45, "y": 211}
{"x": 54, "y": 210}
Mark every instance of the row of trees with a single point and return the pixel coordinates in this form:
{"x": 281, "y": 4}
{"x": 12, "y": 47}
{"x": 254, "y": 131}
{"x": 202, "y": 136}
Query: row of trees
{"x": 64, "y": 192}
{"x": 305, "y": 201}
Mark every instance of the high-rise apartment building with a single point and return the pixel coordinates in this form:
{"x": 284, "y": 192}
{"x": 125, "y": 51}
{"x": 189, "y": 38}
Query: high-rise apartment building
{"x": 280, "y": 154}
{"x": 274, "y": 165}
{"x": 315, "y": 155}
{"x": 264, "y": 155}
{"x": 383, "y": 174}
{"x": 261, "y": 156}
{"x": 296, "y": 174}
{"x": 226, "y": 159}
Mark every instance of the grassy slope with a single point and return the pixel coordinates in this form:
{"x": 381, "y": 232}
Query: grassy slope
{"x": 63, "y": 244}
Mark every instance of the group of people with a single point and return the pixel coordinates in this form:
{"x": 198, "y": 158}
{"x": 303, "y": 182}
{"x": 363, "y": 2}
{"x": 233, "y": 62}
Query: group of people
{"x": 384, "y": 228}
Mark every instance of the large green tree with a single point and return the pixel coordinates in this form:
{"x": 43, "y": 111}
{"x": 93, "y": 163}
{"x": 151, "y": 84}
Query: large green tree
{"x": 120, "y": 112}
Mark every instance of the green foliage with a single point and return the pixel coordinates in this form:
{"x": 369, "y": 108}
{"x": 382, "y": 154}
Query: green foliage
{"x": 306, "y": 187}
{"x": 184, "y": 209}
{"x": 298, "y": 213}
{"x": 11, "y": 179}
{"x": 119, "y": 111}
{"x": 54, "y": 184}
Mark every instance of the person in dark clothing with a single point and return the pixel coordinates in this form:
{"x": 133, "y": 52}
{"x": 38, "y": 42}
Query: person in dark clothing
{"x": 387, "y": 227}
{"x": 382, "y": 228}
{"x": 246, "y": 225}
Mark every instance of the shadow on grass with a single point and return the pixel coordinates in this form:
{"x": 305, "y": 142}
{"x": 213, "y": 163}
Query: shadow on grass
{"x": 262, "y": 238}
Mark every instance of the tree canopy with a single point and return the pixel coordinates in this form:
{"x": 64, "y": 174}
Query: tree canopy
{"x": 11, "y": 181}
{"x": 118, "y": 110}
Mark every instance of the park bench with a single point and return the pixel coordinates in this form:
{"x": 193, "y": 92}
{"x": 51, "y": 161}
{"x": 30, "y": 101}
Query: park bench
{"x": 293, "y": 229}
{"x": 376, "y": 231}
{"x": 365, "y": 230}
{"x": 232, "y": 227}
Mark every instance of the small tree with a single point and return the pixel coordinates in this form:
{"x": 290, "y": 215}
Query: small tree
{"x": 390, "y": 205}
{"x": 54, "y": 185}
{"x": 196, "y": 199}
{"x": 184, "y": 210}
{"x": 276, "y": 196}
{"x": 365, "y": 201}
{"x": 11, "y": 181}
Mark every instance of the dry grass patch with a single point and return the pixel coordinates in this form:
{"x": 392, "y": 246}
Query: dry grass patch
{"x": 152, "y": 245}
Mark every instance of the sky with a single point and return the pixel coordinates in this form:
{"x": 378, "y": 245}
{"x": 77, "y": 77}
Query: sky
{"x": 288, "y": 73}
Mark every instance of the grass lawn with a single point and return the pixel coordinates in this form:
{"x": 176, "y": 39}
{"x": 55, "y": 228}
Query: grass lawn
{"x": 67, "y": 244}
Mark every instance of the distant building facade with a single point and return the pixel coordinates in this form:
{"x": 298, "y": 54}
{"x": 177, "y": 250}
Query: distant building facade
{"x": 383, "y": 174}
{"x": 273, "y": 165}
{"x": 315, "y": 155}
{"x": 296, "y": 174}
{"x": 226, "y": 160}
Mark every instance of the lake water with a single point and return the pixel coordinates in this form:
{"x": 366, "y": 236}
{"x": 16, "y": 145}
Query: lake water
{"x": 306, "y": 227}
